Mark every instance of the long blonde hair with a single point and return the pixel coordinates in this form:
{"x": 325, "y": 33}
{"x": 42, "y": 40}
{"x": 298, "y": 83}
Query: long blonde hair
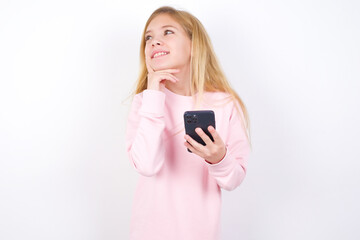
{"x": 205, "y": 72}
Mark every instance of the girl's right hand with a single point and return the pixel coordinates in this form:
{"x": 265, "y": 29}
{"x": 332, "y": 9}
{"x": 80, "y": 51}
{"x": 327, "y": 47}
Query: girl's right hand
{"x": 156, "y": 79}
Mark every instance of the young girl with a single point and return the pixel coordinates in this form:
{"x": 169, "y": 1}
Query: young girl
{"x": 178, "y": 195}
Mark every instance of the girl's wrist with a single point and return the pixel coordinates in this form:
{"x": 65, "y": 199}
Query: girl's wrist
{"x": 215, "y": 162}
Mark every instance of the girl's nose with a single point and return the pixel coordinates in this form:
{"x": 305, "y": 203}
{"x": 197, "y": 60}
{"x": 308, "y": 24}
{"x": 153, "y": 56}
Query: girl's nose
{"x": 156, "y": 42}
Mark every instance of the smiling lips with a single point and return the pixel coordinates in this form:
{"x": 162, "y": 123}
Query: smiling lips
{"x": 159, "y": 54}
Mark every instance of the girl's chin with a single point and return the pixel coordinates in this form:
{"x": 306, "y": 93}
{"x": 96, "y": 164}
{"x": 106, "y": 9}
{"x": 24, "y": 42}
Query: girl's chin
{"x": 163, "y": 66}
{"x": 159, "y": 68}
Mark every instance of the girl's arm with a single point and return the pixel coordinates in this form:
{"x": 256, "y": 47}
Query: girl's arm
{"x": 144, "y": 132}
{"x": 231, "y": 170}
{"x": 227, "y": 159}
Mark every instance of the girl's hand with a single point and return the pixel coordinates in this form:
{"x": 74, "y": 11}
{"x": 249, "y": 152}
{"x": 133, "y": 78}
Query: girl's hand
{"x": 212, "y": 152}
{"x": 156, "y": 80}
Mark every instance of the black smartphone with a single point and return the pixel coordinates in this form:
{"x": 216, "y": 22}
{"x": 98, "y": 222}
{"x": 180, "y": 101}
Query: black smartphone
{"x": 202, "y": 119}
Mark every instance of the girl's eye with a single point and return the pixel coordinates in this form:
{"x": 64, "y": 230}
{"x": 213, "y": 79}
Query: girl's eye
{"x": 166, "y": 31}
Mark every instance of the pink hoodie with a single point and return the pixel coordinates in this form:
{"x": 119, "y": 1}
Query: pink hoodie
{"x": 178, "y": 195}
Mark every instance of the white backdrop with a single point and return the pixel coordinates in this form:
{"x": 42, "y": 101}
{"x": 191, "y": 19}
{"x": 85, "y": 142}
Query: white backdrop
{"x": 67, "y": 67}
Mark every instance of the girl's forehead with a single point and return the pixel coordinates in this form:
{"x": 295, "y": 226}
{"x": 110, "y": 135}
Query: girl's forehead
{"x": 163, "y": 20}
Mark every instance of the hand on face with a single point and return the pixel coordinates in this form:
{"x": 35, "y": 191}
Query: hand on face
{"x": 156, "y": 79}
{"x": 212, "y": 152}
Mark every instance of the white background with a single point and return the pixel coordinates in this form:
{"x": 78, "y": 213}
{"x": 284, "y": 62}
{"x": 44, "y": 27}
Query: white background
{"x": 67, "y": 68}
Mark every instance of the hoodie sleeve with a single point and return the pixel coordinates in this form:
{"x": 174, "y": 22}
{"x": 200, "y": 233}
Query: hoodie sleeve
{"x": 231, "y": 170}
{"x": 144, "y": 132}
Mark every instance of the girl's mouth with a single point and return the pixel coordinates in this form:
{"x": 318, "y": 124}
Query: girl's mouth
{"x": 160, "y": 54}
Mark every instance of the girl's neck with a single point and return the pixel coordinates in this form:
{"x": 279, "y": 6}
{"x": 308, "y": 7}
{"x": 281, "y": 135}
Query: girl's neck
{"x": 182, "y": 87}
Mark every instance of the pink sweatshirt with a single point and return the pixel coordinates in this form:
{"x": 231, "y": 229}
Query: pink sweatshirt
{"x": 178, "y": 195}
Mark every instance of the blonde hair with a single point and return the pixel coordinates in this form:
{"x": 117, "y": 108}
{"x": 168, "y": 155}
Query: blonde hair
{"x": 205, "y": 72}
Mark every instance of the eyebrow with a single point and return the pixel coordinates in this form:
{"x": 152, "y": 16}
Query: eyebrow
{"x": 165, "y": 26}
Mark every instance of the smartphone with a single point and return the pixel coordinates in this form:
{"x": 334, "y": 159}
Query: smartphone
{"x": 202, "y": 119}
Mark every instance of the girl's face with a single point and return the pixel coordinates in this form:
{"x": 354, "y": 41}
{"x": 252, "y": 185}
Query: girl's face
{"x": 167, "y": 44}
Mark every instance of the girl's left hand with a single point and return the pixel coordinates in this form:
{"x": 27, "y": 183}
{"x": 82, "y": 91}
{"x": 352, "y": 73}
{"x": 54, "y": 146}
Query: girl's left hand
{"x": 212, "y": 152}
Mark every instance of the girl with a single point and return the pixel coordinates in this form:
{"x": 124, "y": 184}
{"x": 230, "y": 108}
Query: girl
{"x": 179, "y": 193}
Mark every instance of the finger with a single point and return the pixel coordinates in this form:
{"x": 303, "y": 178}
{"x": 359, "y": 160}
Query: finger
{"x": 203, "y": 136}
{"x": 214, "y": 134}
{"x": 149, "y": 68}
{"x": 188, "y": 145}
{"x": 165, "y": 76}
{"x": 191, "y": 148}
{"x": 195, "y": 145}
{"x": 156, "y": 80}
{"x": 169, "y": 76}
